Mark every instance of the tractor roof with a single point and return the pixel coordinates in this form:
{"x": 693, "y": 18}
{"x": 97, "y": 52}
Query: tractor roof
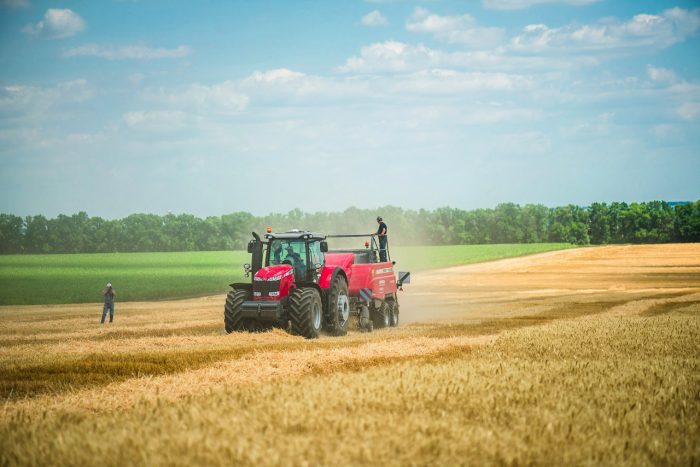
{"x": 294, "y": 234}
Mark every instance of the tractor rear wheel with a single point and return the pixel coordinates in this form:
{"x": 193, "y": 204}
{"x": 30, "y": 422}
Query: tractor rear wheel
{"x": 305, "y": 312}
{"x": 380, "y": 315}
{"x": 232, "y": 311}
{"x": 338, "y": 308}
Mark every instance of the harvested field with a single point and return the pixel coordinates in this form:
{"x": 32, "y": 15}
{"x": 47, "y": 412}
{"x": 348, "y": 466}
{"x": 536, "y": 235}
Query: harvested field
{"x": 578, "y": 356}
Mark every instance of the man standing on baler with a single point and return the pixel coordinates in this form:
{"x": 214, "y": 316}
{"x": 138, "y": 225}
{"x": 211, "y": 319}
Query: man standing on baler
{"x": 381, "y": 233}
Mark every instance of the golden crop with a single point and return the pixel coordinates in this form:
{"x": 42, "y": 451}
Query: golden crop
{"x": 610, "y": 377}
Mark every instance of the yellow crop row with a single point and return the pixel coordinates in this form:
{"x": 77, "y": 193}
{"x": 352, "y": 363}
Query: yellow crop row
{"x": 597, "y": 389}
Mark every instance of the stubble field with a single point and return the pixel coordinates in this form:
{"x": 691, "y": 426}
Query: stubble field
{"x": 579, "y": 357}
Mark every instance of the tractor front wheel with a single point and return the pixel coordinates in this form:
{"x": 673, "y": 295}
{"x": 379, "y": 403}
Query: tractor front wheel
{"x": 305, "y": 312}
{"x": 338, "y": 308}
{"x": 232, "y": 311}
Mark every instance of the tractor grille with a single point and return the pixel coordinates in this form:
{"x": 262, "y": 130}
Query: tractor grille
{"x": 262, "y": 289}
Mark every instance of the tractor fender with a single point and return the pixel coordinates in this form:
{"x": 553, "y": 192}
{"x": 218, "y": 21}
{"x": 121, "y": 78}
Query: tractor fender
{"x": 301, "y": 284}
{"x": 338, "y": 271}
{"x": 328, "y": 275}
{"x": 242, "y": 286}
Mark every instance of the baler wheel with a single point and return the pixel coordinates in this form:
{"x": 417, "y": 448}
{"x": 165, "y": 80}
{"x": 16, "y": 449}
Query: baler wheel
{"x": 306, "y": 312}
{"x": 393, "y": 313}
{"x": 338, "y": 308}
{"x": 380, "y": 315}
{"x": 232, "y": 311}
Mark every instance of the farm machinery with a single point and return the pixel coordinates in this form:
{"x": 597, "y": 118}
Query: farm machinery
{"x": 297, "y": 284}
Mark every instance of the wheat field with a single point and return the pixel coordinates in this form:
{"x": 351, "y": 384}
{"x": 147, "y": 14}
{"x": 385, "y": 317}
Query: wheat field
{"x": 585, "y": 356}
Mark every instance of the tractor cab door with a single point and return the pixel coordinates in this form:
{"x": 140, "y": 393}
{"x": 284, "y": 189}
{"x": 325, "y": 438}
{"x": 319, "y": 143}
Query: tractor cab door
{"x": 317, "y": 258}
{"x": 289, "y": 251}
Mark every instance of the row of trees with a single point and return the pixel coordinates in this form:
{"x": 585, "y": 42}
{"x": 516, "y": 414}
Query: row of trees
{"x": 600, "y": 223}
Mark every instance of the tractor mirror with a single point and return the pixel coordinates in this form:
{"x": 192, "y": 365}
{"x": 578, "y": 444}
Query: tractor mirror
{"x": 251, "y": 246}
{"x": 324, "y": 247}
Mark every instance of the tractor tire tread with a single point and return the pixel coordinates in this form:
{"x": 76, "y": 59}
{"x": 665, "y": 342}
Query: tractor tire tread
{"x": 332, "y": 324}
{"x": 300, "y": 316}
{"x": 393, "y": 313}
{"x": 380, "y": 316}
{"x": 233, "y": 321}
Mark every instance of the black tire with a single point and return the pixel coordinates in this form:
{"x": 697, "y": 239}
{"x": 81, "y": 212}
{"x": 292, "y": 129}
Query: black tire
{"x": 393, "y": 313}
{"x": 232, "y": 311}
{"x": 380, "y": 315}
{"x": 338, "y": 307}
{"x": 306, "y": 312}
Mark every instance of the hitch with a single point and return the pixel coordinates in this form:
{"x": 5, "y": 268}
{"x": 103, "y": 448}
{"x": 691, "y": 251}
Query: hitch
{"x": 366, "y": 324}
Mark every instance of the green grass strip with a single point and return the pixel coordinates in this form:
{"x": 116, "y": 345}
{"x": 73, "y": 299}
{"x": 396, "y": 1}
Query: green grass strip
{"x": 80, "y": 278}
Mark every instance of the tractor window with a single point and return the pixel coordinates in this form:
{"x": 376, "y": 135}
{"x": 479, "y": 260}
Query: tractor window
{"x": 317, "y": 257}
{"x": 290, "y": 251}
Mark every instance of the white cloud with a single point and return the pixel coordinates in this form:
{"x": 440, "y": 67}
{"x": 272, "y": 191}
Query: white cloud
{"x": 31, "y": 99}
{"x": 642, "y": 31}
{"x": 130, "y": 52}
{"x": 686, "y": 22}
{"x": 284, "y": 85}
{"x": 522, "y": 4}
{"x": 279, "y": 75}
{"x": 374, "y": 18}
{"x": 423, "y": 21}
{"x": 441, "y": 81}
{"x": 460, "y": 29}
{"x": 394, "y": 56}
{"x": 57, "y": 24}
{"x": 664, "y": 130}
{"x": 689, "y": 110}
{"x": 156, "y": 120}
{"x": 224, "y": 98}
{"x": 14, "y": 3}
{"x": 661, "y": 75}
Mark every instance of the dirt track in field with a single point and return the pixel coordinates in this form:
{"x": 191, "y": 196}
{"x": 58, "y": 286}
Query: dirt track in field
{"x": 591, "y": 280}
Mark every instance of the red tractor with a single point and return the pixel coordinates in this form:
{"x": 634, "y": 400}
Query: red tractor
{"x": 300, "y": 286}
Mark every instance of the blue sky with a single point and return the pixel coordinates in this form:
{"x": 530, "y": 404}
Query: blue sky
{"x": 117, "y": 107}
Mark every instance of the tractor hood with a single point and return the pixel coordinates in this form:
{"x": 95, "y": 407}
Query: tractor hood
{"x": 273, "y": 273}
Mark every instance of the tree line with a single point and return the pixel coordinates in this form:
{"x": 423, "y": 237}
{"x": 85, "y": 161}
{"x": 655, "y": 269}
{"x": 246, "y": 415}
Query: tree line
{"x": 600, "y": 223}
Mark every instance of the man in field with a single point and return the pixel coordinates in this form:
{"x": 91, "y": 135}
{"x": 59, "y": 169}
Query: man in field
{"x": 381, "y": 233}
{"x": 109, "y": 295}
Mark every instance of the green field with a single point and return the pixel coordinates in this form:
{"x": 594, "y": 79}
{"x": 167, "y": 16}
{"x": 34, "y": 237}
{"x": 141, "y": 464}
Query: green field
{"x": 80, "y": 278}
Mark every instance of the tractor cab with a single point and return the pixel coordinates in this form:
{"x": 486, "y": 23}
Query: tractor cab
{"x": 303, "y": 251}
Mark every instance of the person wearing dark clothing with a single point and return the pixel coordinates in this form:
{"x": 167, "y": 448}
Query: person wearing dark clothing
{"x": 109, "y": 295}
{"x": 277, "y": 253}
{"x": 381, "y": 233}
{"x": 297, "y": 263}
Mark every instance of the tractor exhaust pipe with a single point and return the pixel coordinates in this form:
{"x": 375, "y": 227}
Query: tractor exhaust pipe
{"x": 256, "y": 248}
